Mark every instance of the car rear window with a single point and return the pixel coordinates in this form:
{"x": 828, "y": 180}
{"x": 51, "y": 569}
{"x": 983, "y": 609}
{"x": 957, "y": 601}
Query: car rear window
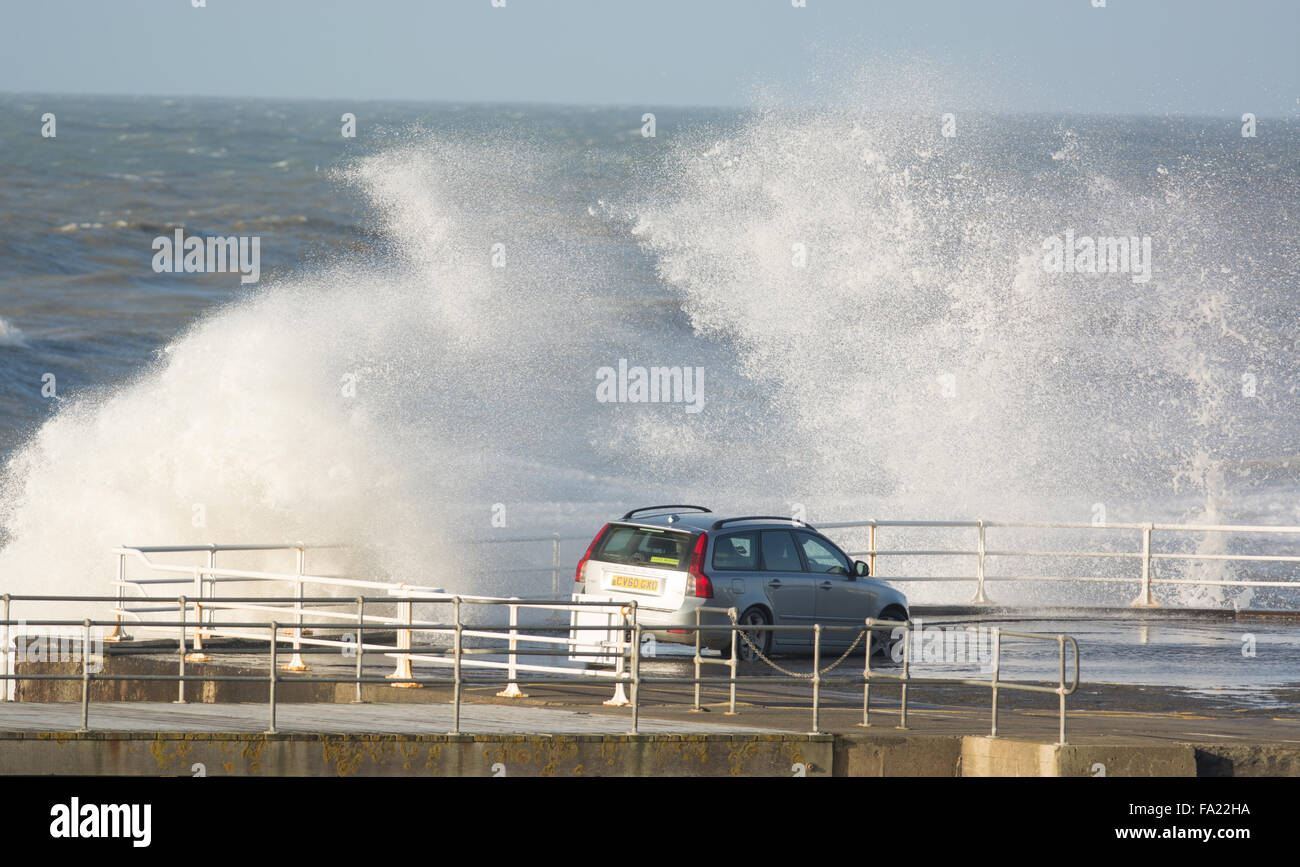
{"x": 644, "y": 546}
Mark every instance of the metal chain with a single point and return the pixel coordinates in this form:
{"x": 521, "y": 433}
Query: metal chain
{"x": 809, "y": 675}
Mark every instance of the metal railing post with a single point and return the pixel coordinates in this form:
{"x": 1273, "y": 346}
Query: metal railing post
{"x": 980, "y": 597}
{"x": 636, "y": 677}
{"x": 512, "y": 688}
{"x": 907, "y": 661}
{"x": 696, "y": 707}
{"x": 866, "y": 680}
{"x": 871, "y": 550}
{"x": 85, "y": 675}
{"x": 295, "y": 662}
{"x": 198, "y": 655}
{"x": 361, "y": 619}
{"x": 273, "y": 675}
{"x": 731, "y": 612}
{"x": 180, "y": 650}
{"x": 1145, "y": 599}
{"x": 117, "y": 634}
{"x": 816, "y": 678}
{"x": 997, "y": 669}
{"x": 403, "y": 670}
{"x": 211, "y": 581}
{"x": 1060, "y": 639}
{"x": 619, "y": 698}
{"x": 455, "y": 690}
{"x": 555, "y": 567}
{"x": 4, "y": 655}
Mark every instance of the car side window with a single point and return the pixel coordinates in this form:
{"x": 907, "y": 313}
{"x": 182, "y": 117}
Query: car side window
{"x": 822, "y": 557}
{"x": 737, "y": 552}
{"x": 779, "y": 552}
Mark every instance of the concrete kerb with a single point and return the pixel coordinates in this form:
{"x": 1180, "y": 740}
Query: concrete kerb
{"x": 344, "y": 755}
{"x": 676, "y": 755}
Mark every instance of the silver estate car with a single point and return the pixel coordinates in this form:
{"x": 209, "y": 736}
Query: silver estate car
{"x": 674, "y": 559}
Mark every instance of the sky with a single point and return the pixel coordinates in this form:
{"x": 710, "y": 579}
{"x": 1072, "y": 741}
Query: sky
{"x": 1128, "y": 57}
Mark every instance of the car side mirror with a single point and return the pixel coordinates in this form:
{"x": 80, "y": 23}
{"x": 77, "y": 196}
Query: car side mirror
{"x": 861, "y": 569}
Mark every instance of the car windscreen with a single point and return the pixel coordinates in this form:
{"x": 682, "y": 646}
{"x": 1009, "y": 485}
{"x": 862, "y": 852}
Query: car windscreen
{"x": 645, "y": 546}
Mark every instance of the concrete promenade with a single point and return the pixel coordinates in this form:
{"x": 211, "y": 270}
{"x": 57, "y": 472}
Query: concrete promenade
{"x": 564, "y": 730}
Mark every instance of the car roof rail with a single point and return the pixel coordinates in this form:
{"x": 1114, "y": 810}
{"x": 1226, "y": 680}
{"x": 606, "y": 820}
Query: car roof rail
{"x": 717, "y": 525}
{"x": 657, "y": 508}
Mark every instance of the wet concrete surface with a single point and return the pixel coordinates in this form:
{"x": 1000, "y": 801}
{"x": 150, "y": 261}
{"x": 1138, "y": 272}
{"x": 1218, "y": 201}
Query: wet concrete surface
{"x": 1143, "y": 679}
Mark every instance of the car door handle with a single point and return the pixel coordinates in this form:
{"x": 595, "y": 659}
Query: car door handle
{"x": 775, "y": 583}
{"x": 826, "y": 585}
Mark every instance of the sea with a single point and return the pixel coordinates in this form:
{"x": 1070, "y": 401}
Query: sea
{"x": 481, "y": 322}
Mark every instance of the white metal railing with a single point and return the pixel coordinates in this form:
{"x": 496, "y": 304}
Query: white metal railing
{"x": 555, "y": 567}
{"x": 631, "y": 675}
{"x": 139, "y": 597}
{"x": 1144, "y": 552}
{"x": 286, "y": 594}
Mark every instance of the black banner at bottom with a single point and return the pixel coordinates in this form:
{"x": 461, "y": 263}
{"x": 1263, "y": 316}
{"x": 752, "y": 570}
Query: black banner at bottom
{"x": 365, "y": 814}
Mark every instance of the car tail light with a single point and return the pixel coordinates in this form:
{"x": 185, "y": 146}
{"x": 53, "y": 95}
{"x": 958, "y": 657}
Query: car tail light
{"x": 577, "y": 575}
{"x": 697, "y": 583}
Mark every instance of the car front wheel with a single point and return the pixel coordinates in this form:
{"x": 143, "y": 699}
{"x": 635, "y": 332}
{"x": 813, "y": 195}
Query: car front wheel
{"x": 885, "y": 642}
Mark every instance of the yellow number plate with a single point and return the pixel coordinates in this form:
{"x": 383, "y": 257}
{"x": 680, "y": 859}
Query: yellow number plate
{"x": 629, "y": 582}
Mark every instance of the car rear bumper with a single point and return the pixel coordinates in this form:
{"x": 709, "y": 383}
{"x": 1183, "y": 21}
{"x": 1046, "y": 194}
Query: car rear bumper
{"x": 679, "y": 627}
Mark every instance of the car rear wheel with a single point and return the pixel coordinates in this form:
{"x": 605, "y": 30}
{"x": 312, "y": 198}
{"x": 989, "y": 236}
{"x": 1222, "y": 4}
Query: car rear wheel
{"x": 754, "y": 616}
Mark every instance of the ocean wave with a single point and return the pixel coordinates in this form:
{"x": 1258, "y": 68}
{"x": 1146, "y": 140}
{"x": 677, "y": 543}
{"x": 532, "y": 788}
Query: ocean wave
{"x": 10, "y": 334}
